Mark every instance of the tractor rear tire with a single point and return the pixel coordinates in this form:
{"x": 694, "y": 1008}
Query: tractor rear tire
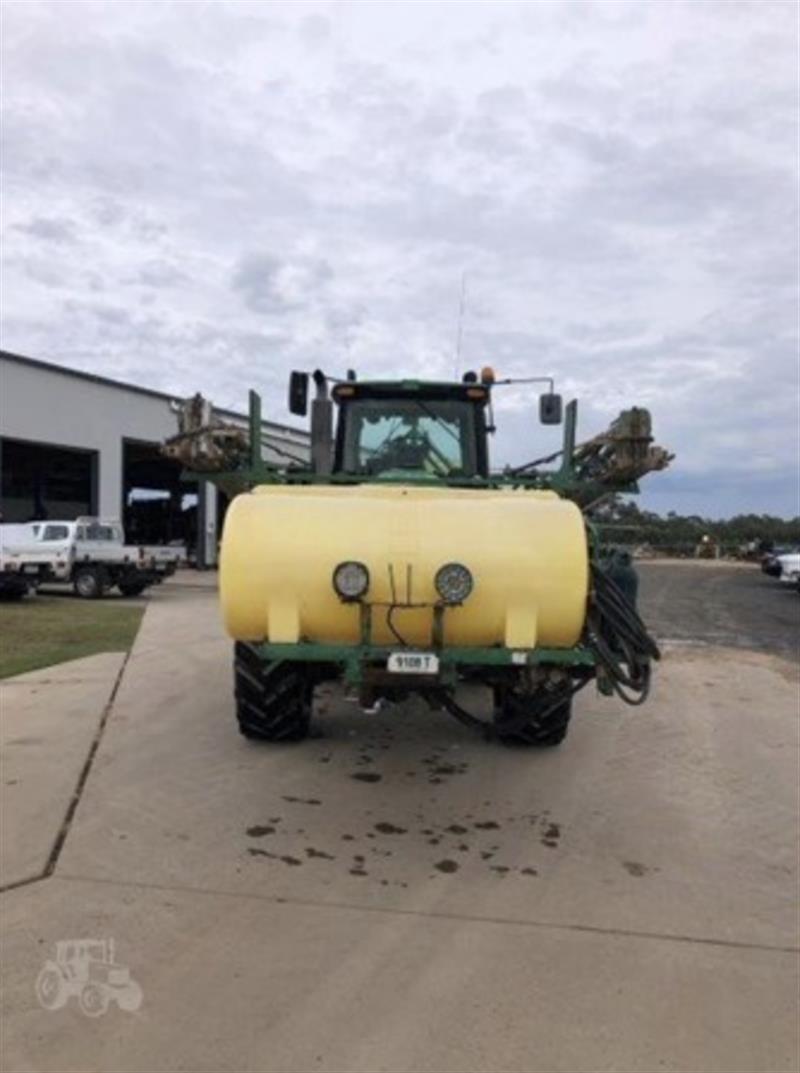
{"x": 543, "y": 732}
{"x": 273, "y": 700}
{"x": 52, "y": 989}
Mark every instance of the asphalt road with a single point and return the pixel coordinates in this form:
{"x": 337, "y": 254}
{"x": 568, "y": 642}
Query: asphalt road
{"x": 736, "y": 606}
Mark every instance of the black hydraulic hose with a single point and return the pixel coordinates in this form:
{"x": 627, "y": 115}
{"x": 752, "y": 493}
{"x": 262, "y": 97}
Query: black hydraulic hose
{"x": 508, "y": 725}
{"x": 461, "y": 714}
{"x": 619, "y": 639}
{"x": 511, "y": 724}
{"x": 390, "y": 623}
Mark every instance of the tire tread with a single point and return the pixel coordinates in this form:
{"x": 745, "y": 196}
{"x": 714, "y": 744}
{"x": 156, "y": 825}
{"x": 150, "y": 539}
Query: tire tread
{"x": 273, "y": 700}
{"x": 541, "y": 733}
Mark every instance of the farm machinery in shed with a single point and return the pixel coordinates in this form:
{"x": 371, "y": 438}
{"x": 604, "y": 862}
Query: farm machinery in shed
{"x": 396, "y": 560}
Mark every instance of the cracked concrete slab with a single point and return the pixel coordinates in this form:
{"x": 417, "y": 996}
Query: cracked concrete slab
{"x": 48, "y": 720}
{"x": 398, "y": 894}
{"x": 675, "y": 818}
{"x": 246, "y": 983}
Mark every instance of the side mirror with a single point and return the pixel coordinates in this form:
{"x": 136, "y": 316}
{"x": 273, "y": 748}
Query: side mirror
{"x": 550, "y": 409}
{"x": 298, "y": 394}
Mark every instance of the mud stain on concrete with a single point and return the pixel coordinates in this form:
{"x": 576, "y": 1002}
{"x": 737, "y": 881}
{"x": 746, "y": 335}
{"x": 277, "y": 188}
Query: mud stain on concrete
{"x": 318, "y": 853}
{"x": 446, "y": 866}
{"x": 634, "y": 868}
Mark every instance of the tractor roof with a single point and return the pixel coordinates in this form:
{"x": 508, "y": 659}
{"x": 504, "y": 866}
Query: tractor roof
{"x": 437, "y": 389}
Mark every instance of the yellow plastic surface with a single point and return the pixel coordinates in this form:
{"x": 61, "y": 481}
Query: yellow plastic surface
{"x": 526, "y": 550}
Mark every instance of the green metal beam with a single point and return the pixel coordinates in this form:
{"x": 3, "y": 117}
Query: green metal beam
{"x": 570, "y": 435}
{"x": 255, "y": 429}
{"x": 307, "y": 652}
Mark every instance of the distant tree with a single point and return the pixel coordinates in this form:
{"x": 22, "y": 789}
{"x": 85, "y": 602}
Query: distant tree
{"x": 622, "y": 521}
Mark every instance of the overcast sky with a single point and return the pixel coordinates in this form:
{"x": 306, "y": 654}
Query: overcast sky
{"x": 202, "y": 196}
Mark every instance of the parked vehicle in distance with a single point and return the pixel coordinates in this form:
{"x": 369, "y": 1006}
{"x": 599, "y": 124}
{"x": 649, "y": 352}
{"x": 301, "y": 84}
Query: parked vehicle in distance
{"x": 22, "y": 564}
{"x": 770, "y": 562}
{"x": 790, "y": 569}
{"x": 17, "y": 577}
{"x": 90, "y": 553}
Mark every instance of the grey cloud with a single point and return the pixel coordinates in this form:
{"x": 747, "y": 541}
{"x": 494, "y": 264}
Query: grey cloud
{"x": 605, "y": 148}
{"x": 159, "y": 273}
{"x": 110, "y": 316}
{"x": 256, "y": 279}
{"x": 268, "y": 285}
{"x": 48, "y": 229}
{"x": 107, "y": 212}
{"x": 502, "y": 101}
{"x": 40, "y": 270}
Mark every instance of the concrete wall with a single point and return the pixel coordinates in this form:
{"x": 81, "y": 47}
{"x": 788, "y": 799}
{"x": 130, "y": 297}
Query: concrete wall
{"x": 45, "y": 404}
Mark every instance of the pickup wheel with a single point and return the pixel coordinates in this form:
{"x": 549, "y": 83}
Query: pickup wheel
{"x": 518, "y": 720}
{"x": 132, "y": 588}
{"x": 273, "y": 700}
{"x": 90, "y": 582}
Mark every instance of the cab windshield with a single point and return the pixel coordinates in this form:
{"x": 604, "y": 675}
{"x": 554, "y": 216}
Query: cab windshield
{"x": 432, "y": 436}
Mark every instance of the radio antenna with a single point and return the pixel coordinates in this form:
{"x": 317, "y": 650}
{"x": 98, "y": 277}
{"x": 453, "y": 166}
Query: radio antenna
{"x": 460, "y": 330}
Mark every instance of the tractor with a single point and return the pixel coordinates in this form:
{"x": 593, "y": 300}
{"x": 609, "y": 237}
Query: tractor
{"x": 397, "y": 560}
{"x": 86, "y": 969}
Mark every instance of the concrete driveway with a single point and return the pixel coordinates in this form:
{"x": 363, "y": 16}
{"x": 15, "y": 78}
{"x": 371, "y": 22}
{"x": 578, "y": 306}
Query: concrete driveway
{"x": 397, "y": 894}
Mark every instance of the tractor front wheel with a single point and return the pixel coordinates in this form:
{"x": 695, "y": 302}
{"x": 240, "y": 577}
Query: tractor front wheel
{"x": 94, "y": 1000}
{"x": 531, "y": 719}
{"x": 273, "y": 700}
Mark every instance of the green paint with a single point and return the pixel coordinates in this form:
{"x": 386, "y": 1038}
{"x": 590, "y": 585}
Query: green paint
{"x": 355, "y": 658}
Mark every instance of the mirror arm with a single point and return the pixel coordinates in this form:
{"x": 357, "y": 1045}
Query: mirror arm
{"x": 528, "y": 380}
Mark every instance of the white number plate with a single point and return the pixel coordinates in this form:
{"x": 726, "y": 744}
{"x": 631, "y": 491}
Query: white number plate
{"x": 413, "y": 663}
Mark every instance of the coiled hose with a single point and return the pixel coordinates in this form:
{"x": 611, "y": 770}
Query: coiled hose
{"x": 619, "y": 639}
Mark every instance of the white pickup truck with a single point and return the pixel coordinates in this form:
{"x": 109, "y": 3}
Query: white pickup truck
{"x": 91, "y": 553}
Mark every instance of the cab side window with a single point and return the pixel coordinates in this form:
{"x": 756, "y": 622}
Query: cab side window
{"x": 55, "y": 532}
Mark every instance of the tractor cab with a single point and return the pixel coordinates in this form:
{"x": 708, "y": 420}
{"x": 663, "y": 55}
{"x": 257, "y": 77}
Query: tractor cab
{"x": 400, "y": 430}
{"x": 410, "y": 429}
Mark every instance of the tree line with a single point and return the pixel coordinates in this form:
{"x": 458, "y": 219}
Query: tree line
{"x": 621, "y": 521}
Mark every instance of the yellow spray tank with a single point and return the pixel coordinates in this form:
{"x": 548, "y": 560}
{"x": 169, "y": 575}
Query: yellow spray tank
{"x": 391, "y": 558}
{"x": 526, "y": 550}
